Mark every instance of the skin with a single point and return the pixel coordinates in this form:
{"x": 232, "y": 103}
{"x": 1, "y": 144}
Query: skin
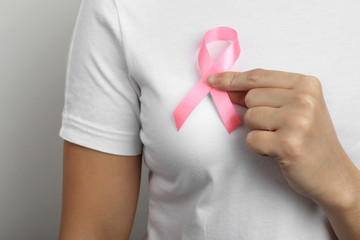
{"x": 289, "y": 121}
{"x": 100, "y": 194}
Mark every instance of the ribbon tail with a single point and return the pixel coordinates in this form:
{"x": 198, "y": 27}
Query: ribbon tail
{"x": 226, "y": 109}
{"x": 191, "y": 100}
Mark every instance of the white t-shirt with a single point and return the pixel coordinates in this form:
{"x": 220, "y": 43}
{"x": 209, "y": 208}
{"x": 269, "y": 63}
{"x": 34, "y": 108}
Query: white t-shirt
{"x": 131, "y": 63}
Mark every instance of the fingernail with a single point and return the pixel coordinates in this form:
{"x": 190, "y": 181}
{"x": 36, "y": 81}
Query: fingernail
{"x": 214, "y": 79}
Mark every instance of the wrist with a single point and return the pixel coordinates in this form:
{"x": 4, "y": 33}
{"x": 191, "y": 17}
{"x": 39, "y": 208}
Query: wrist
{"x": 346, "y": 193}
{"x": 346, "y": 202}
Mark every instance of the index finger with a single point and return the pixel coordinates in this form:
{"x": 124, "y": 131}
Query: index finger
{"x": 256, "y": 78}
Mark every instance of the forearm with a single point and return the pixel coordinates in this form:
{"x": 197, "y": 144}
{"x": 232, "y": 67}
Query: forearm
{"x": 345, "y": 223}
{"x": 343, "y": 210}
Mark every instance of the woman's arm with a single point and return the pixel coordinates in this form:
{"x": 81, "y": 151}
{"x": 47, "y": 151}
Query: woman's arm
{"x": 344, "y": 215}
{"x": 100, "y": 194}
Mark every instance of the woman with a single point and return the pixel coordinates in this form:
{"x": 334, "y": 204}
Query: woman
{"x": 284, "y": 173}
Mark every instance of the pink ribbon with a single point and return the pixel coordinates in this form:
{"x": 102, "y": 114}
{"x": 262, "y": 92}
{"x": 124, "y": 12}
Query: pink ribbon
{"x": 207, "y": 67}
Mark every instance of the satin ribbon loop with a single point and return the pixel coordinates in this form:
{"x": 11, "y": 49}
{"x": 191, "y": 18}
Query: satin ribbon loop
{"x": 222, "y": 64}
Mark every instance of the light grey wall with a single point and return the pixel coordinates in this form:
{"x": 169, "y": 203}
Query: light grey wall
{"x": 34, "y": 41}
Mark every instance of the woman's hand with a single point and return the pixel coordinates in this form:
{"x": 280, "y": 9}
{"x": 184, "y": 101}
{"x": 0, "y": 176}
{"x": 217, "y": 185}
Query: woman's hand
{"x": 289, "y": 120}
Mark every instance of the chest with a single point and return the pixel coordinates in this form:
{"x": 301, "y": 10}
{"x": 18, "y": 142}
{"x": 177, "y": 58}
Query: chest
{"x": 307, "y": 37}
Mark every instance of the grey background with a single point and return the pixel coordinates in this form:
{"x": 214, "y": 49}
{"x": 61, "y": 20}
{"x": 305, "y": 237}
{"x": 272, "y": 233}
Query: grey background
{"x": 34, "y": 42}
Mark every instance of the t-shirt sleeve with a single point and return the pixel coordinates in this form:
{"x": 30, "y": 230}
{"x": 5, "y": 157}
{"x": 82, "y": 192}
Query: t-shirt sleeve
{"x": 101, "y": 109}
